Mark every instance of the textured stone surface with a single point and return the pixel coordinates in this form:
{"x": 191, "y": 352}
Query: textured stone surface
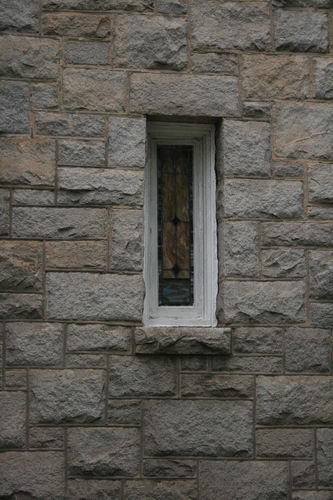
{"x": 162, "y": 490}
{"x": 260, "y": 110}
{"x": 303, "y": 475}
{"x": 322, "y": 314}
{"x": 231, "y": 25}
{"x": 191, "y": 95}
{"x": 69, "y": 124}
{"x": 86, "y": 361}
{"x": 85, "y": 153}
{"x": 146, "y": 376}
{"x": 325, "y": 457}
{"x": 322, "y": 213}
{"x": 103, "y": 452}
{"x": 294, "y": 400}
{"x": 98, "y": 338}
{"x": 12, "y": 420}
{"x": 301, "y": 31}
{"x": 46, "y": 437}
{"x": 132, "y": 5}
{"x": 83, "y": 489}
{"x": 20, "y": 306}
{"x": 307, "y": 350}
{"x": 19, "y": 16}
{"x": 45, "y": 96}
{"x": 312, "y": 495}
{"x": 126, "y": 241}
{"x": 239, "y": 249}
{"x": 240, "y": 480}
{"x": 172, "y": 7}
{"x": 16, "y": 379}
{"x": 278, "y": 263}
{"x": 151, "y": 42}
{"x": 320, "y": 181}
{"x": 4, "y": 211}
{"x": 283, "y": 443}
{"x": 34, "y": 344}
{"x": 32, "y": 466}
{"x": 124, "y": 412}
{"x": 76, "y": 25}
{"x": 216, "y": 386}
{"x": 21, "y": 266}
{"x": 87, "y": 53}
{"x": 33, "y": 197}
{"x": 248, "y": 364}
{"x": 198, "y": 428}
{"x": 26, "y": 161}
{"x": 169, "y": 468}
{"x": 14, "y": 108}
{"x": 94, "y": 90}
{"x": 155, "y": 340}
{"x": 323, "y": 78}
{"x": 257, "y": 340}
{"x": 100, "y": 187}
{"x": 27, "y": 57}
{"x": 321, "y": 275}
{"x": 287, "y": 169}
{"x": 303, "y": 130}
{"x": 76, "y": 255}
{"x": 275, "y": 77}
{"x": 66, "y": 396}
{"x": 193, "y": 363}
{"x": 264, "y": 302}
{"x": 88, "y": 296}
{"x": 295, "y": 233}
{"x": 127, "y": 142}
{"x": 214, "y": 62}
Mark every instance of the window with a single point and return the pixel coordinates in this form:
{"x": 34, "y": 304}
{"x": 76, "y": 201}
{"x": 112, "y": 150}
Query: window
{"x": 180, "y": 267}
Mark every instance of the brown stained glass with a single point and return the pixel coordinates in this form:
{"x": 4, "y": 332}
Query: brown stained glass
{"x": 175, "y": 225}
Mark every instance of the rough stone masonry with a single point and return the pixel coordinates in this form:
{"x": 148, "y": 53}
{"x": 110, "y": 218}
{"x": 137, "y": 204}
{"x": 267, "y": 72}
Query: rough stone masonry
{"x": 93, "y": 405}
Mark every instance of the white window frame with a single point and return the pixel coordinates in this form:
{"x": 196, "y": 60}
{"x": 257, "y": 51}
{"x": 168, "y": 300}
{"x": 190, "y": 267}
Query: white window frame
{"x": 203, "y": 311}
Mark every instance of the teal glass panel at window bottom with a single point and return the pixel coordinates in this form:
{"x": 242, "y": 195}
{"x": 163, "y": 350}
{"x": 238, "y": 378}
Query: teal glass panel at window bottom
{"x": 176, "y": 292}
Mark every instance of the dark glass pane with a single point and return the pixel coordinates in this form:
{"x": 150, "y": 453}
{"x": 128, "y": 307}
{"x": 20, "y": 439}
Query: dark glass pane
{"x": 175, "y": 225}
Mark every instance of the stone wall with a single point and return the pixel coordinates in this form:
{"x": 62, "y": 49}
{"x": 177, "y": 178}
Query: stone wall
{"x": 92, "y": 405}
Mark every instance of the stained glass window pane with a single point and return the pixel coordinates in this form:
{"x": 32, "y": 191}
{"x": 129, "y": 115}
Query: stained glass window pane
{"x": 175, "y": 225}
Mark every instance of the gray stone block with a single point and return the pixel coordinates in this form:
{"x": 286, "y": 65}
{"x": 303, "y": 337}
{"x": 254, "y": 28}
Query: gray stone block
{"x": 45, "y": 96}
{"x": 127, "y": 142}
{"x": 12, "y": 420}
{"x": 124, "y": 412}
{"x": 278, "y": 263}
{"x": 67, "y": 396}
{"x": 90, "y": 489}
{"x": 103, "y": 452}
{"x": 294, "y": 400}
{"x": 301, "y": 31}
{"x": 297, "y": 233}
{"x": 193, "y": 363}
{"x": 287, "y": 169}
{"x": 19, "y": 16}
{"x": 160, "y": 490}
{"x": 303, "y": 130}
{"x": 87, "y": 53}
{"x": 256, "y": 110}
{"x": 70, "y": 24}
{"x": 28, "y": 57}
{"x": 321, "y": 213}
{"x": 285, "y": 443}
{"x": 312, "y": 495}
{"x": 76, "y": 255}
{"x": 14, "y": 108}
{"x": 27, "y": 161}
{"x": 321, "y": 275}
{"x": 307, "y": 350}
{"x": 325, "y": 457}
{"x": 231, "y": 25}
{"x": 100, "y": 187}
{"x": 190, "y": 95}
{"x": 92, "y": 296}
{"x": 263, "y": 199}
{"x": 4, "y": 211}
{"x": 320, "y": 182}
{"x": 86, "y": 361}
{"x": 20, "y": 306}
{"x": 275, "y": 77}
{"x": 293, "y": 3}
{"x": 150, "y": 42}
{"x": 94, "y": 90}
{"x": 45, "y": 438}
{"x": 126, "y": 240}
{"x": 143, "y": 376}
{"x": 37, "y": 197}
{"x": 214, "y": 62}
{"x": 248, "y": 364}
{"x": 169, "y": 468}
{"x": 48, "y": 465}
{"x": 132, "y": 5}
{"x": 303, "y": 475}
{"x": 182, "y": 340}
{"x": 21, "y": 266}
{"x": 246, "y": 148}
{"x": 98, "y": 338}
{"x": 239, "y": 480}
{"x": 173, "y": 7}
{"x": 322, "y": 314}
{"x": 69, "y": 124}
{"x": 81, "y": 153}
{"x": 323, "y": 78}
{"x": 198, "y": 428}
{"x": 212, "y": 385}
{"x": 264, "y": 302}
{"x": 16, "y": 379}
{"x": 239, "y": 249}
{"x": 34, "y": 344}
{"x": 59, "y": 223}
{"x": 257, "y": 340}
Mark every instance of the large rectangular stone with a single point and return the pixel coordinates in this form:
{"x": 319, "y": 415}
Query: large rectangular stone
{"x": 126, "y": 240}
{"x": 239, "y": 249}
{"x": 279, "y": 263}
{"x": 320, "y": 182}
{"x": 301, "y": 31}
{"x": 98, "y": 338}
{"x": 230, "y": 25}
{"x": 21, "y": 306}
{"x": 28, "y": 57}
{"x": 14, "y": 108}
{"x": 81, "y": 153}
{"x": 160, "y": 490}
{"x": 245, "y": 198}
{"x": 247, "y": 364}
{"x": 294, "y": 400}
{"x": 127, "y": 142}
{"x": 33, "y": 197}
{"x": 214, "y": 62}
{"x": 275, "y": 77}
{"x": 67, "y": 396}
{"x": 87, "y": 53}
{"x": 322, "y": 314}
{"x": 45, "y": 95}
{"x": 43, "y": 438}
{"x": 89, "y": 296}
{"x": 124, "y": 412}
{"x": 323, "y": 77}
{"x": 262, "y": 340}
{"x": 76, "y": 25}
{"x": 297, "y": 233}
{"x": 86, "y": 255}
{"x": 212, "y": 385}
{"x": 264, "y": 302}
{"x": 303, "y": 130}
{"x": 87, "y": 186}
{"x": 321, "y": 275}
{"x": 4, "y": 212}
{"x": 190, "y": 95}
{"x": 303, "y": 475}
{"x": 27, "y": 161}
{"x": 169, "y": 468}
{"x": 13, "y": 420}
{"x": 198, "y": 428}
{"x": 285, "y": 443}
{"x": 103, "y": 452}
{"x": 60, "y": 223}
{"x": 21, "y": 266}
{"x": 94, "y": 90}
{"x": 47, "y": 123}
{"x": 131, "y": 5}
{"x": 19, "y": 16}
{"x": 325, "y": 457}
{"x": 97, "y": 489}
{"x": 307, "y": 350}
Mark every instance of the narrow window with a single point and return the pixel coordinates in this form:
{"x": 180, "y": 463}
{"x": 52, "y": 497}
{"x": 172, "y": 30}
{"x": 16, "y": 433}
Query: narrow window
{"x": 180, "y": 268}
